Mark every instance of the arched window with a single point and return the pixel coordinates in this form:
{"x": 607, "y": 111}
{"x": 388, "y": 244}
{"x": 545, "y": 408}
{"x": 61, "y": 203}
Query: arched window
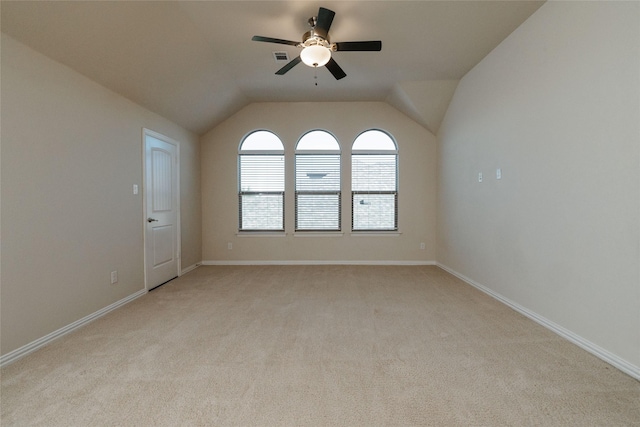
{"x": 317, "y": 182}
{"x": 261, "y": 182}
{"x": 374, "y": 182}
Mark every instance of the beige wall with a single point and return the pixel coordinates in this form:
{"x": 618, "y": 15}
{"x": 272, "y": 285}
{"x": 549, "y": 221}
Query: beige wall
{"x": 417, "y": 185}
{"x": 556, "y": 106}
{"x": 71, "y": 152}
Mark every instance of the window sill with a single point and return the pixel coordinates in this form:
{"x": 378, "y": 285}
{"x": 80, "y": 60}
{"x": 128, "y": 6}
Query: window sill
{"x": 375, "y": 233}
{"x": 261, "y": 234}
{"x": 318, "y": 234}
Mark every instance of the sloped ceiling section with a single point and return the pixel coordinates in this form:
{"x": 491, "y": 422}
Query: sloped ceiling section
{"x": 194, "y": 63}
{"x": 425, "y": 102}
{"x": 149, "y": 52}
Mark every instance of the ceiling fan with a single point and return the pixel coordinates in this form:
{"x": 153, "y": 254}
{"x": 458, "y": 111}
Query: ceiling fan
{"x": 317, "y": 48}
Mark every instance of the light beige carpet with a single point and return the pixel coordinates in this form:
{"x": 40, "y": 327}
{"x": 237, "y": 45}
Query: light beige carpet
{"x": 316, "y": 346}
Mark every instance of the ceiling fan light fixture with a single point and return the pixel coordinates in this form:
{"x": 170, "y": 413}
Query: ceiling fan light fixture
{"x": 317, "y": 47}
{"x": 315, "y": 55}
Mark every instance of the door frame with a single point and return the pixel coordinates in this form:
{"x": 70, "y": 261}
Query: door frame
{"x": 175, "y": 143}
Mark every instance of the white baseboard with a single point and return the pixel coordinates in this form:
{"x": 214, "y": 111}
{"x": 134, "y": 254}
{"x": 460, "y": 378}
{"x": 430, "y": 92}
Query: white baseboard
{"x": 315, "y": 262}
{"x": 587, "y": 345}
{"x": 41, "y": 342}
{"x": 190, "y": 268}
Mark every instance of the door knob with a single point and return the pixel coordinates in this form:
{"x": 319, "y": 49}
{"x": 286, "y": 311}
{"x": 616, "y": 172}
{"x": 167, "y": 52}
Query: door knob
{"x": 151, "y": 220}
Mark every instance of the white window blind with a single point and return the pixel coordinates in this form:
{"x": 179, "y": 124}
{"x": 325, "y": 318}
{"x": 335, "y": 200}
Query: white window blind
{"x": 318, "y": 192}
{"x": 261, "y": 182}
{"x": 317, "y": 183}
{"x": 374, "y": 186}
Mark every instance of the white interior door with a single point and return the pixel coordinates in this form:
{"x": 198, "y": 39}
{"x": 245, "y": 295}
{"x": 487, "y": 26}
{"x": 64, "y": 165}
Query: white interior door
{"x": 162, "y": 228}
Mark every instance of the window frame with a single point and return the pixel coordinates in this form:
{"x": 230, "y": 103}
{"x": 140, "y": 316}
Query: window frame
{"x": 336, "y": 193}
{"x": 356, "y": 193}
{"x": 260, "y": 152}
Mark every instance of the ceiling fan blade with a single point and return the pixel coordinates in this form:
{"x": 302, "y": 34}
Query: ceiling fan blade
{"x": 370, "y": 46}
{"x": 290, "y": 65}
{"x": 272, "y": 40}
{"x": 335, "y": 69}
{"x": 325, "y": 18}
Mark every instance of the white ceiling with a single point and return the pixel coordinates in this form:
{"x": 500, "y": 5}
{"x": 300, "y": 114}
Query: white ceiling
{"x": 194, "y": 63}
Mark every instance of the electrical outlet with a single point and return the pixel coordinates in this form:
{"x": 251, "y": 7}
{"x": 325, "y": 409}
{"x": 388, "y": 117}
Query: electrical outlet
{"x": 479, "y": 176}
{"x": 422, "y": 246}
{"x": 114, "y": 277}
{"x": 229, "y": 245}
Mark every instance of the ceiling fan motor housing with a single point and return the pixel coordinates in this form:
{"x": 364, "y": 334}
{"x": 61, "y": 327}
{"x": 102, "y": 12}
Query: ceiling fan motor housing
{"x": 317, "y": 48}
{"x": 313, "y": 37}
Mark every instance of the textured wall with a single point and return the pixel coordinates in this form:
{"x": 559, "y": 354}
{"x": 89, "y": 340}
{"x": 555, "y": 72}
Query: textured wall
{"x": 556, "y": 107}
{"x": 71, "y": 152}
{"x": 417, "y": 185}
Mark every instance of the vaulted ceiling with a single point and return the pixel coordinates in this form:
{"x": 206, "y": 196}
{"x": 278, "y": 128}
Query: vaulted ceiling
{"x": 194, "y": 63}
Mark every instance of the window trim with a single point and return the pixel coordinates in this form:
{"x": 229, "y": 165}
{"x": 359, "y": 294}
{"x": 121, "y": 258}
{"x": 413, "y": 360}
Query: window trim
{"x": 374, "y": 152}
{"x": 241, "y": 193}
{"x": 337, "y": 193}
